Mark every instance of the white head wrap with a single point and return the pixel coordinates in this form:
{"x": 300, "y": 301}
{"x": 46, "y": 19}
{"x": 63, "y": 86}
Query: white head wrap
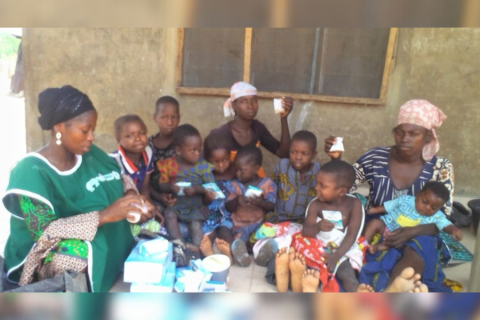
{"x": 239, "y": 89}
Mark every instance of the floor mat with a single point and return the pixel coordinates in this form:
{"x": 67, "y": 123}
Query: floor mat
{"x": 459, "y": 252}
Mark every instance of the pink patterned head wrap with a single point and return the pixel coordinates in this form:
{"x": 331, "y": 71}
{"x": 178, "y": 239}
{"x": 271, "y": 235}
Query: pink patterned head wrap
{"x": 423, "y": 113}
{"x": 239, "y": 89}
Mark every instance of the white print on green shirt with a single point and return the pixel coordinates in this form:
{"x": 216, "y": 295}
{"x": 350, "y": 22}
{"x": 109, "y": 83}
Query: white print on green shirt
{"x": 95, "y": 182}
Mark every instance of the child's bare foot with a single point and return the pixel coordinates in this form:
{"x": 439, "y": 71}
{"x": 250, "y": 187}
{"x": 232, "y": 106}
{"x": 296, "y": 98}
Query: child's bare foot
{"x": 310, "y": 280}
{"x": 224, "y": 248}
{"x": 291, "y": 253}
{"x": 405, "y": 282}
{"x": 281, "y": 270}
{"x": 206, "y": 246}
{"x": 421, "y": 288}
{"x": 365, "y": 288}
{"x": 297, "y": 268}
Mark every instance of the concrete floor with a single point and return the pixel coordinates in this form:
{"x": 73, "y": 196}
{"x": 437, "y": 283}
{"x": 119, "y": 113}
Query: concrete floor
{"x": 461, "y": 273}
{"x": 251, "y": 279}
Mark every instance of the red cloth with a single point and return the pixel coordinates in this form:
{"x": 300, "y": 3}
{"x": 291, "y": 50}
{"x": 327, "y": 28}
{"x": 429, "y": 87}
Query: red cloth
{"x": 313, "y": 249}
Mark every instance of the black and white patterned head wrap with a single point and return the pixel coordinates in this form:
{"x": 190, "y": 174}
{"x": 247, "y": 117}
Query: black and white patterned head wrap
{"x": 57, "y": 105}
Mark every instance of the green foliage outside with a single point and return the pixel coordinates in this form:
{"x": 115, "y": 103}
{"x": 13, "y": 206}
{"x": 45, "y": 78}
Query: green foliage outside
{"x": 8, "y": 45}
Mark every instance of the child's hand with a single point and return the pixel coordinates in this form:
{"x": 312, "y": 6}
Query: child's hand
{"x": 325, "y": 225}
{"x": 243, "y": 201}
{"x": 329, "y": 142}
{"x": 398, "y": 237}
{"x": 287, "y": 105}
{"x": 167, "y": 199}
{"x": 255, "y": 200}
{"x": 209, "y": 196}
{"x": 330, "y": 260}
{"x": 175, "y": 189}
{"x": 457, "y": 234}
{"x": 189, "y": 192}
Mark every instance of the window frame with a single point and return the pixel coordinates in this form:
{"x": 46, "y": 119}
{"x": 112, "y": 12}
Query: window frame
{"x": 225, "y": 92}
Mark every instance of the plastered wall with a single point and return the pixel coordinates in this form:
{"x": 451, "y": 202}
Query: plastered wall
{"x": 126, "y": 70}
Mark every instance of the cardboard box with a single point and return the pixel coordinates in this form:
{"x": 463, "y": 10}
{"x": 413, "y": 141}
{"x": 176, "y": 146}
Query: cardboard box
{"x": 147, "y": 268}
{"x": 192, "y": 278}
{"x": 253, "y": 192}
{"x": 212, "y": 187}
{"x": 154, "y": 246}
{"x": 216, "y": 286}
{"x": 165, "y": 286}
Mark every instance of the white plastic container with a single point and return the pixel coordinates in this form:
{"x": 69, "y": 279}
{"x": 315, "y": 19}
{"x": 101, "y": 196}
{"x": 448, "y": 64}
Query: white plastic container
{"x": 218, "y": 265}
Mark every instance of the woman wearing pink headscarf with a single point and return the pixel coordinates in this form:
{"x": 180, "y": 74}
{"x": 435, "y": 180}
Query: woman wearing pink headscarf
{"x": 245, "y": 130}
{"x": 403, "y": 169}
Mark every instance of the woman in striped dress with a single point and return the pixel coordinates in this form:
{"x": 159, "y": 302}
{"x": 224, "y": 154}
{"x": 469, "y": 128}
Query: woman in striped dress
{"x": 401, "y": 169}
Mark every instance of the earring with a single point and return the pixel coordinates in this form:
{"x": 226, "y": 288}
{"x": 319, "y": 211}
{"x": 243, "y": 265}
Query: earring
{"x": 58, "y": 135}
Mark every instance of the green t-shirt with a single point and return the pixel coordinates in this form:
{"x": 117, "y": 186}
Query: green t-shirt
{"x": 92, "y": 184}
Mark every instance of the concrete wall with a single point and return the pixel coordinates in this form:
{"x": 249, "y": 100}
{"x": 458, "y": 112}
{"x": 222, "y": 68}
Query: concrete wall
{"x": 126, "y": 70}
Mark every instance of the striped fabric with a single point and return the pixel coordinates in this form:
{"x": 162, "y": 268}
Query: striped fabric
{"x": 372, "y": 167}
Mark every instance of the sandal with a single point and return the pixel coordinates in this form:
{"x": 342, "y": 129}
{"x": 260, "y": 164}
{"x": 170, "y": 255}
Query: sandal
{"x": 460, "y": 216}
{"x": 266, "y": 253}
{"x": 240, "y": 253}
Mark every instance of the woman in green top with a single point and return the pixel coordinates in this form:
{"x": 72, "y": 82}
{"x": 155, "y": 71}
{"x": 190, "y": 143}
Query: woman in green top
{"x": 69, "y": 200}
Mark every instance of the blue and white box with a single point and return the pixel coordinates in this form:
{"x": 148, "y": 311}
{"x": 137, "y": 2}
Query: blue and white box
{"x": 212, "y": 187}
{"x": 192, "y": 278}
{"x": 166, "y": 285}
{"x": 147, "y": 268}
{"x": 253, "y": 192}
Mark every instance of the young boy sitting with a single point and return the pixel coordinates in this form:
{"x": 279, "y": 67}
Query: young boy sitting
{"x": 295, "y": 178}
{"x": 335, "y": 218}
{"x": 408, "y": 211}
{"x": 134, "y": 157}
{"x": 248, "y": 211}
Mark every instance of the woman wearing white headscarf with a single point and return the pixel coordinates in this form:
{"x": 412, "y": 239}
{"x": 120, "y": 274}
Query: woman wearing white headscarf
{"x": 244, "y": 129}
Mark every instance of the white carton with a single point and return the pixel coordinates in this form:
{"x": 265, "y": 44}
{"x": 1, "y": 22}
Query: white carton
{"x": 147, "y": 268}
{"x": 153, "y": 247}
{"x": 253, "y": 192}
{"x": 277, "y": 106}
{"x": 334, "y": 217}
{"x": 338, "y": 145}
{"x": 212, "y": 187}
{"x": 182, "y": 186}
{"x": 165, "y": 286}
